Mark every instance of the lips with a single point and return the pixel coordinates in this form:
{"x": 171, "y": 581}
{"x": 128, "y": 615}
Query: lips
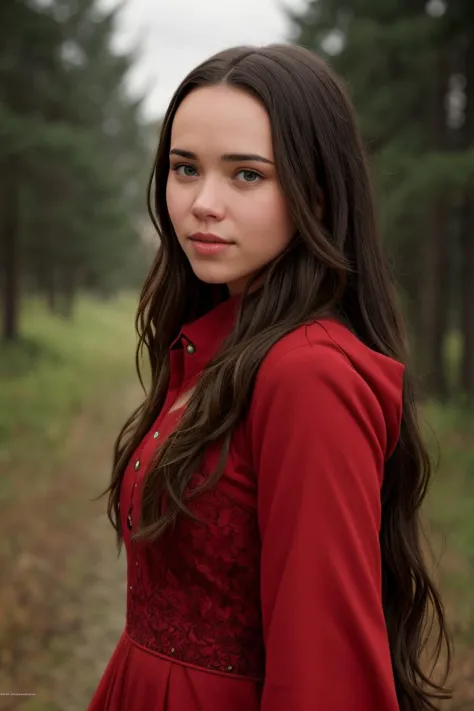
{"x": 208, "y": 238}
{"x": 209, "y": 245}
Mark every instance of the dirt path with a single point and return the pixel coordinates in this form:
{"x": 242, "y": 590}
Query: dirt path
{"x": 63, "y": 598}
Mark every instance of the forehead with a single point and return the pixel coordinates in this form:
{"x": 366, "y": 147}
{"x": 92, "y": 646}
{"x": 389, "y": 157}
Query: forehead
{"x": 221, "y": 119}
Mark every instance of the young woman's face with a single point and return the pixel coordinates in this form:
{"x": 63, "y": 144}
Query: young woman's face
{"x": 223, "y": 185}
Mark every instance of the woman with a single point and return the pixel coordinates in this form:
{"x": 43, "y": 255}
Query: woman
{"x": 267, "y": 491}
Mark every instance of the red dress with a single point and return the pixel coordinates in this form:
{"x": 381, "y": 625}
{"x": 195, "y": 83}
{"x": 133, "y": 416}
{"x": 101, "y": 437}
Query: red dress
{"x": 273, "y": 602}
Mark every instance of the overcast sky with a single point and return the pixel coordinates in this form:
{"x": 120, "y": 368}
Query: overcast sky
{"x": 175, "y": 35}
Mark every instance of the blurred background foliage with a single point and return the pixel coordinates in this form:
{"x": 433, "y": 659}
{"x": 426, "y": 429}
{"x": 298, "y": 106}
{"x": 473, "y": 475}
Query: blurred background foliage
{"x": 73, "y": 154}
{"x": 409, "y": 65}
{"x": 75, "y": 243}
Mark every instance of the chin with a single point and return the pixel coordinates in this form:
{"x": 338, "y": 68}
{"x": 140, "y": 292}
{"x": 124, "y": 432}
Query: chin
{"x": 212, "y": 275}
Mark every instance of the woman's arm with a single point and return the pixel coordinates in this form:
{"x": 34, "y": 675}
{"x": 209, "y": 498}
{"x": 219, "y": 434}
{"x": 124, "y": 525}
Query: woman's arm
{"x": 318, "y": 437}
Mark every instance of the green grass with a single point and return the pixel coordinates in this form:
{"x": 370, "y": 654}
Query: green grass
{"x": 451, "y": 500}
{"x": 449, "y": 508}
{"x": 58, "y": 366}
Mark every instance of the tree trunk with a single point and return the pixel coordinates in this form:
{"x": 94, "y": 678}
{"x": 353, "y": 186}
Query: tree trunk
{"x": 467, "y": 244}
{"x": 441, "y": 307}
{"x": 435, "y": 263}
{"x": 467, "y": 296}
{"x": 434, "y": 303}
{"x": 10, "y": 239}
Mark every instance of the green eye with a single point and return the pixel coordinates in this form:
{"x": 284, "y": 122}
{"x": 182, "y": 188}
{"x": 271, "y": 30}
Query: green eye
{"x": 250, "y": 176}
{"x": 187, "y": 171}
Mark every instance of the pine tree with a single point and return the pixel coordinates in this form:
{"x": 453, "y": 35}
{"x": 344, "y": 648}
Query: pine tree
{"x": 73, "y": 145}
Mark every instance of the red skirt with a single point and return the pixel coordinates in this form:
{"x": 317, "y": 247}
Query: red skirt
{"x": 138, "y": 679}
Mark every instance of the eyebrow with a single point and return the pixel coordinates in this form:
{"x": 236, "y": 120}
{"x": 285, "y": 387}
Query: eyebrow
{"x": 228, "y": 157}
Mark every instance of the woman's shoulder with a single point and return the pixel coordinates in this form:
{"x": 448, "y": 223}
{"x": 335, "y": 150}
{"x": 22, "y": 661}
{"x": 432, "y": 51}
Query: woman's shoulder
{"x": 326, "y": 359}
{"x": 328, "y": 344}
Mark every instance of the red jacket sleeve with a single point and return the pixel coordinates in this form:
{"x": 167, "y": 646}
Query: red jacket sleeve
{"x": 318, "y": 438}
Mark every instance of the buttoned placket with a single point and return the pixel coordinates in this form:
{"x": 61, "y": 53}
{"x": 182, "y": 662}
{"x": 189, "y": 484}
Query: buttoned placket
{"x": 136, "y": 468}
{"x": 189, "y": 351}
{"x": 185, "y": 367}
{"x": 132, "y": 506}
{"x": 192, "y": 364}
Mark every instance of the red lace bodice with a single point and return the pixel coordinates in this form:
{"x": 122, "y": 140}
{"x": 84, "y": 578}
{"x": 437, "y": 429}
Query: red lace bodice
{"x": 195, "y": 594}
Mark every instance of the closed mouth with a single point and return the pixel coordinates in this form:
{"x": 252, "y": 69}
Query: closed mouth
{"x": 208, "y": 239}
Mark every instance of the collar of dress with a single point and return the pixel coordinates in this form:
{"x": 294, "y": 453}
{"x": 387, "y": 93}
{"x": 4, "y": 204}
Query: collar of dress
{"x": 203, "y": 337}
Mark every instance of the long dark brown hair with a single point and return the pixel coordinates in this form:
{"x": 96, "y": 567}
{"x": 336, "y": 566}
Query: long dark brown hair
{"x": 333, "y": 265}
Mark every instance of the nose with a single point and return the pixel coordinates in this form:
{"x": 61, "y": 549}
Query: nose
{"x": 209, "y": 201}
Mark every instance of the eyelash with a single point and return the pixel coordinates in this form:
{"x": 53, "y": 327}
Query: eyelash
{"x": 176, "y": 168}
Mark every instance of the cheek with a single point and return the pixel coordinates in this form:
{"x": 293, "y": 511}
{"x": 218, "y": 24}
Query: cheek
{"x": 174, "y": 203}
{"x": 271, "y": 220}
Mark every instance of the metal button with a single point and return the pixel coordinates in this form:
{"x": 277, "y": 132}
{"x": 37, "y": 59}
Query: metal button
{"x": 229, "y": 668}
{"x": 156, "y": 435}
{"x": 191, "y": 349}
{"x": 131, "y": 587}
{"x": 129, "y": 521}
{"x": 137, "y": 465}
{"x": 172, "y": 650}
